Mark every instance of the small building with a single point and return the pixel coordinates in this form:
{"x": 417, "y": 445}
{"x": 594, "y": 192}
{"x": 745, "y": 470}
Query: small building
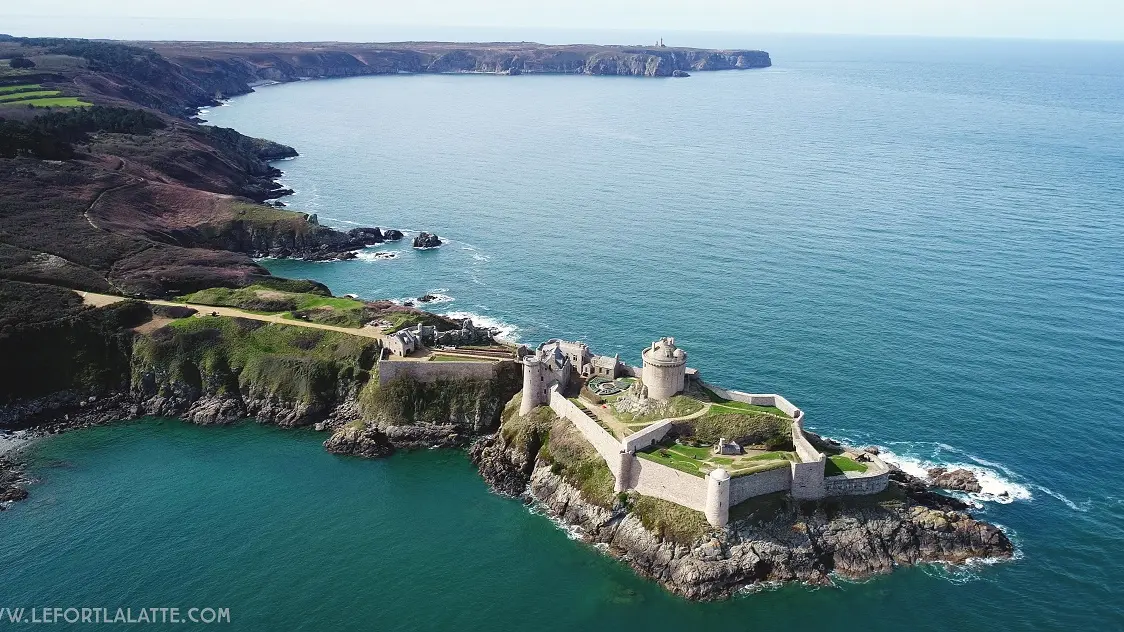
{"x": 403, "y": 342}
{"x": 728, "y": 448}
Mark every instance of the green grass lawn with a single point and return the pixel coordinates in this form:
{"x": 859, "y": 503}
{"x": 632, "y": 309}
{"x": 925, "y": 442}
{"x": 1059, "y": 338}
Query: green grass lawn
{"x": 741, "y": 407}
{"x": 691, "y": 452}
{"x": 261, "y": 299}
{"x": 667, "y": 457}
{"x": 837, "y": 465}
{"x": 756, "y": 467}
{"x": 772, "y": 456}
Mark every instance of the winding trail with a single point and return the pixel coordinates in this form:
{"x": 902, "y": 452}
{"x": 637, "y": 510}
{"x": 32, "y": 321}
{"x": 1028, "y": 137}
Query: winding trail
{"x": 94, "y": 299}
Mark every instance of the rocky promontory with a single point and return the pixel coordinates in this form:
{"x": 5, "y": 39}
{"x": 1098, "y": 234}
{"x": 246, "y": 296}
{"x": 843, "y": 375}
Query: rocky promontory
{"x": 772, "y": 538}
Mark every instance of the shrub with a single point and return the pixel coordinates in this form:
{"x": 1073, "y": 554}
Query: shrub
{"x": 21, "y": 62}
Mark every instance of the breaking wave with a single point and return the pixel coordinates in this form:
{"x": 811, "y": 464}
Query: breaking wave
{"x": 376, "y": 255}
{"x": 997, "y": 482}
{"x": 505, "y": 331}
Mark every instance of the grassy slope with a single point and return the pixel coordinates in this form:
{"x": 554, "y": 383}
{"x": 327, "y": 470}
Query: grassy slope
{"x": 267, "y": 299}
{"x": 677, "y": 406}
{"x": 293, "y": 363}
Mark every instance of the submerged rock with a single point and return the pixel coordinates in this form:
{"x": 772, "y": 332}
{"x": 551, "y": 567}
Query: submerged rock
{"x": 427, "y": 240}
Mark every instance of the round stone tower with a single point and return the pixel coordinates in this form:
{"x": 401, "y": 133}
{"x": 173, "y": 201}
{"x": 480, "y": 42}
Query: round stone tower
{"x": 665, "y": 369}
{"x": 532, "y": 384}
{"x": 718, "y": 497}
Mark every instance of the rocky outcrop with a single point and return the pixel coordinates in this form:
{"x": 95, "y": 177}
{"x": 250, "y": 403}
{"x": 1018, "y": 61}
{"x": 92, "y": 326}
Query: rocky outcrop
{"x": 367, "y": 236}
{"x": 359, "y": 440}
{"x": 427, "y": 240}
{"x": 392, "y": 234}
{"x": 804, "y": 542}
{"x": 11, "y": 483}
{"x": 958, "y": 479}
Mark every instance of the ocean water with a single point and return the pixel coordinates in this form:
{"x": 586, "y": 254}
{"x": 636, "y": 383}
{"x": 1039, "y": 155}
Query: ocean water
{"x": 918, "y": 242}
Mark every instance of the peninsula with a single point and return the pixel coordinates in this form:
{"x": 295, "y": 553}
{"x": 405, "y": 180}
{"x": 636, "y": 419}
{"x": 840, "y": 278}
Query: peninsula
{"x": 128, "y": 287}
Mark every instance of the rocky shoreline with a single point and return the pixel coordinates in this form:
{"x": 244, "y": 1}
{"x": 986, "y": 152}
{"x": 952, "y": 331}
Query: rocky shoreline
{"x": 782, "y": 541}
{"x": 786, "y": 541}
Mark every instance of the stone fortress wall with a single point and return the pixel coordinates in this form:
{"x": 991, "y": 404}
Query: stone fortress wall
{"x": 546, "y": 373}
{"x": 605, "y": 444}
{"x": 649, "y": 436}
{"x": 742, "y": 488}
{"x": 390, "y": 368}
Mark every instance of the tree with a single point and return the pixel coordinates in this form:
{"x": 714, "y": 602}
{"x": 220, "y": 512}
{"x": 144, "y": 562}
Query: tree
{"x": 21, "y": 62}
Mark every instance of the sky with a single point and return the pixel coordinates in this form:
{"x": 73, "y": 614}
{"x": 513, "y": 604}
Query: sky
{"x": 372, "y": 20}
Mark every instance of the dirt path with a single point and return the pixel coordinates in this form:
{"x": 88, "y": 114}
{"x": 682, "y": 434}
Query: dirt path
{"x": 101, "y": 195}
{"x": 100, "y": 300}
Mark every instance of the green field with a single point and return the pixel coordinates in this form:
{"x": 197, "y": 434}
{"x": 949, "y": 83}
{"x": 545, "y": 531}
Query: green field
{"x": 20, "y": 88}
{"x": 33, "y": 94}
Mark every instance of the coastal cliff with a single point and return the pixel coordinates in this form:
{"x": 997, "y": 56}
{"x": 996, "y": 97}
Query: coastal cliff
{"x": 232, "y": 69}
{"x": 540, "y": 459}
{"x": 178, "y": 78}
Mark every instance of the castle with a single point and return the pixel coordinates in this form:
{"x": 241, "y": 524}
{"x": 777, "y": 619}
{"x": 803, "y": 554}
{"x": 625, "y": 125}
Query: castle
{"x": 548, "y": 370}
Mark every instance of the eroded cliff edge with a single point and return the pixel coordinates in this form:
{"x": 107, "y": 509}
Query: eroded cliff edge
{"x": 541, "y": 459}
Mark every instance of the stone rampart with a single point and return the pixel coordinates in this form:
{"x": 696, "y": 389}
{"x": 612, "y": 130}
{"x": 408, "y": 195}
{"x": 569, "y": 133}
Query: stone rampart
{"x": 605, "y": 444}
{"x": 648, "y": 436}
{"x": 742, "y": 488}
{"x": 808, "y": 474}
{"x": 660, "y": 481}
{"x": 423, "y": 371}
{"x": 860, "y": 485}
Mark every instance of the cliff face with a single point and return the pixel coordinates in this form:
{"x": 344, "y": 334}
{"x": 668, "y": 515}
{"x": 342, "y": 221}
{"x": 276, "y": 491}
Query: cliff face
{"x": 230, "y": 69}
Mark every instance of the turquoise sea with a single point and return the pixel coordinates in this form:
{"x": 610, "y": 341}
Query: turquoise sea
{"x": 918, "y": 242}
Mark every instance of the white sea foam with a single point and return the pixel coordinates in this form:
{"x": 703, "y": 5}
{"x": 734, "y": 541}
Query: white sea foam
{"x": 504, "y": 331}
{"x": 438, "y": 298}
{"x": 571, "y": 531}
{"x": 336, "y": 219}
{"x": 376, "y": 255}
{"x": 997, "y": 482}
{"x": 10, "y": 441}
